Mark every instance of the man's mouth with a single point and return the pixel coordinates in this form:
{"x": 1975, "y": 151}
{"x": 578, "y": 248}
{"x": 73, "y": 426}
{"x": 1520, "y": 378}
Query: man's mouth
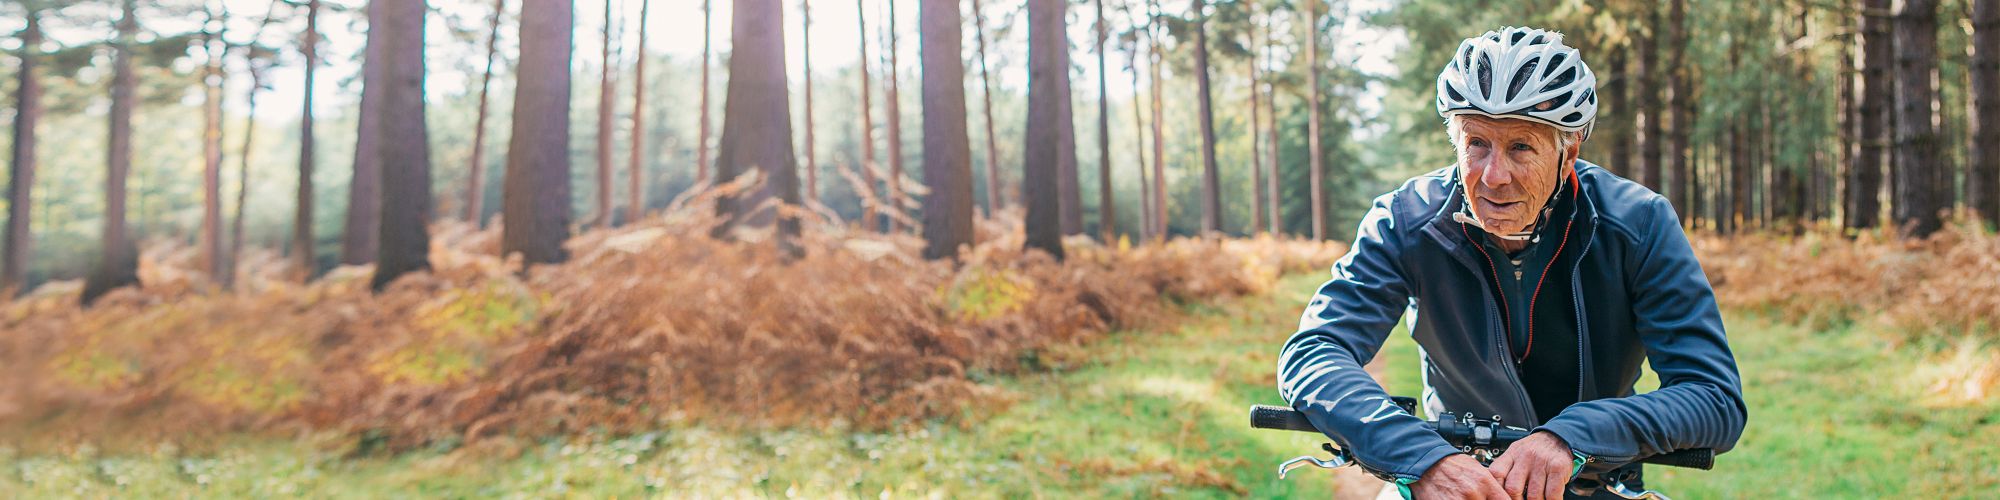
{"x": 1493, "y": 207}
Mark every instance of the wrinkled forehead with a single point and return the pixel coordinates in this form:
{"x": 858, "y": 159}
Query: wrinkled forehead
{"x": 1498, "y": 129}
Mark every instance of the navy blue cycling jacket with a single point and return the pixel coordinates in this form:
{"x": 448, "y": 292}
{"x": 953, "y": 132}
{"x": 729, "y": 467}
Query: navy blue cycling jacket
{"x": 1640, "y": 294}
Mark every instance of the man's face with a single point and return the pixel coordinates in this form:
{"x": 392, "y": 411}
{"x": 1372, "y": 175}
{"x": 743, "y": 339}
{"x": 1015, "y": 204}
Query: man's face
{"x": 1510, "y": 167}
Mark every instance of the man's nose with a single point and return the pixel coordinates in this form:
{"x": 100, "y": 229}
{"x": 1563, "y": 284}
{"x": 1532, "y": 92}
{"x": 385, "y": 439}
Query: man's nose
{"x": 1497, "y": 173}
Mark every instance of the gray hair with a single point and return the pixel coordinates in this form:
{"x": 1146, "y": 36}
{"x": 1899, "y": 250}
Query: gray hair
{"x": 1454, "y": 128}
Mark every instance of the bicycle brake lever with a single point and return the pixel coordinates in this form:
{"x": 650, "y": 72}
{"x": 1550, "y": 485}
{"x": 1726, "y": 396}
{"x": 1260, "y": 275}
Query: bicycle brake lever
{"x": 1338, "y": 461}
{"x": 1618, "y": 488}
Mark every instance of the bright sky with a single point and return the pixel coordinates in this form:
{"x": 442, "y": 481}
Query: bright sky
{"x": 675, "y": 30}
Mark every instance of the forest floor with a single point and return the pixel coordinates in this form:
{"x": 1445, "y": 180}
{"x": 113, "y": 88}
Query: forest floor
{"x": 1833, "y": 413}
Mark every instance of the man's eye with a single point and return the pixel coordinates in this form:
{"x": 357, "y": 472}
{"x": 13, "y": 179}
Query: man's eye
{"x": 1477, "y": 143}
{"x": 1522, "y": 146}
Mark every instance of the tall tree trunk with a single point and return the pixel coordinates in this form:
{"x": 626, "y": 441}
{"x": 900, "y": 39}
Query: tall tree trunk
{"x": 995, "y": 199}
{"x": 867, "y": 187}
{"x": 535, "y": 191}
{"x": 701, "y": 142}
{"x": 607, "y": 98}
{"x": 1211, "y": 190}
{"x": 1739, "y": 157}
{"x": 302, "y": 222}
{"x": 947, "y": 150}
{"x": 1612, "y": 90}
{"x": 21, "y": 168}
{"x": 243, "y": 177}
{"x": 1256, "y": 131}
{"x": 1107, "y": 211}
{"x": 1272, "y": 198}
{"x": 1646, "y": 128}
{"x": 1864, "y": 183}
{"x": 1680, "y": 81}
{"x": 364, "y": 190}
{"x": 756, "y": 125}
{"x": 404, "y": 147}
{"x": 1159, "y": 145}
{"x": 1139, "y": 140}
{"x": 1850, "y": 122}
{"x": 475, "y": 180}
{"x": 1068, "y": 180}
{"x": 118, "y": 262}
{"x": 1922, "y": 176}
{"x": 635, "y": 166}
{"x": 894, "y": 99}
{"x": 811, "y": 190}
{"x": 1048, "y": 68}
{"x": 215, "y": 48}
{"x": 1317, "y": 174}
{"x": 1983, "y": 115}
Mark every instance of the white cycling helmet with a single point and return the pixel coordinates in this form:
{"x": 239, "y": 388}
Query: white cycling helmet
{"x": 1520, "y": 73}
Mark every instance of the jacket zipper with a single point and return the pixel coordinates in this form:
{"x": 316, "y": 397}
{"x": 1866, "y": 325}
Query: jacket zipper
{"x": 1505, "y": 353}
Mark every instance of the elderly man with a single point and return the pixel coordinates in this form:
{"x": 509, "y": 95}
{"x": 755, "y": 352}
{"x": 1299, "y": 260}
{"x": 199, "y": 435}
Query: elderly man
{"x": 1536, "y": 284}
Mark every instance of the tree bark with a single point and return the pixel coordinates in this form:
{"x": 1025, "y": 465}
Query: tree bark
{"x": 1211, "y": 190}
{"x": 756, "y": 126}
{"x": 1646, "y": 130}
{"x": 1139, "y": 140}
{"x": 1612, "y": 88}
{"x": 404, "y": 145}
{"x": 635, "y": 166}
{"x": 995, "y": 199}
{"x": 1256, "y": 131}
{"x": 1048, "y": 69}
{"x": 215, "y": 48}
{"x": 1272, "y": 197}
{"x": 893, "y": 98}
{"x": 535, "y": 204}
{"x": 607, "y": 98}
{"x": 1159, "y": 144}
{"x": 475, "y": 180}
{"x": 1983, "y": 115}
{"x": 1107, "y": 211}
{"x": 118, "y": 262}
{"x": 302, "y": 222}
{"x": 1317, "y": 174}
{"x": 1068, "y": 182}
{"x": 21, "y": 168}
{"x": 1921, "y": 174}
{"x": 867, "y": 187}
{"x": 1680, "y": 82}
{"x": 364, "y": 190}
{"x": 242, "y": 178}
{"x": 947, "y": 150}
{"x": 701, "y": 142}
{"x": 1864, "y": 183}
{"x": 811, "y": 189}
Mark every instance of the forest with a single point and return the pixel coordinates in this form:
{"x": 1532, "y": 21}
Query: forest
{"x": 931, "y": 247}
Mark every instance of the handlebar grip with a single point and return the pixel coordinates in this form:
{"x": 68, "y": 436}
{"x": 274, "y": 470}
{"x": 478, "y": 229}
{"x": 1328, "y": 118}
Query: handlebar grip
{"x": 1279, "y": 418}
{"x": 1703, "y": 459}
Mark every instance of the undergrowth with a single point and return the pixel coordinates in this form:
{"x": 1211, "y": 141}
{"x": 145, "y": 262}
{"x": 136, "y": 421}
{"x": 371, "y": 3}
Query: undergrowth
{"x": 648, "y": 324}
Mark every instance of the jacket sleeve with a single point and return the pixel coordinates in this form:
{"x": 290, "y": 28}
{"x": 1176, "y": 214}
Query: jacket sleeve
{"x": 1320, "y": 369}
{"x": 1700, "y": 400}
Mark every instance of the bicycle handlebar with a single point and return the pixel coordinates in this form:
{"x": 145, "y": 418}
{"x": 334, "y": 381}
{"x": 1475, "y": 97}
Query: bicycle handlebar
{"x": 1459, "y": 433}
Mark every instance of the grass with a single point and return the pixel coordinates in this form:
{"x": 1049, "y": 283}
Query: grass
{"x": 1138, "y": 414}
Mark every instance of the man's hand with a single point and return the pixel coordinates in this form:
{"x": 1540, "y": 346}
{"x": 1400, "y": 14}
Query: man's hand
{"x": 1535, "y": 468}
{"x": 1457, "y": 476}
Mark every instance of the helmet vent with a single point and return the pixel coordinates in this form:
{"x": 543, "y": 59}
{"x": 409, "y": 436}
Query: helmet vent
{"x": 1521, "y": 78}
{"x": 1562, "y": 80}
{"x": 1572, "y": 118}
{"x": 1485, "y": 75}
{"x": 1554, "y": 62}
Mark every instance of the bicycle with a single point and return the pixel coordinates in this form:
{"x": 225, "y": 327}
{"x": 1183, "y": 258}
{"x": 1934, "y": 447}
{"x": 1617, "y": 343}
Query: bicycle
{"x": 1484, "y": 439}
